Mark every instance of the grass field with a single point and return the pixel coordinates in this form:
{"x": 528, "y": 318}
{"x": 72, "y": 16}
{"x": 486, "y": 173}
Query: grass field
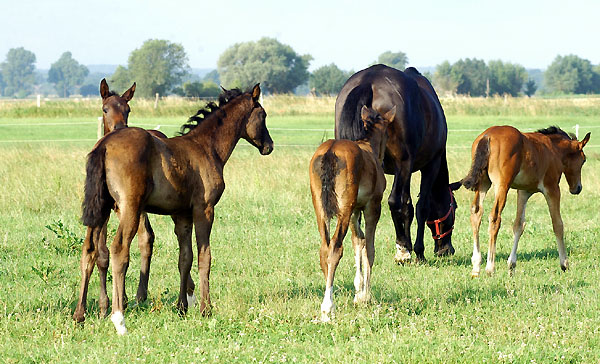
{"x": 266, "y": 284}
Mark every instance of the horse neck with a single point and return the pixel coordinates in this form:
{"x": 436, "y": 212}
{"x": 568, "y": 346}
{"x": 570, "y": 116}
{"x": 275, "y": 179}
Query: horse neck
{"x": 373, "y": 142}
{"x": 221, "y": 134}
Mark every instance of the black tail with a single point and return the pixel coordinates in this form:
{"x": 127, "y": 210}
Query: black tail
{"x": 329, "y": 165}
{"x": 351, "y": 126}
{"x": 479, "y": 166}
{"x": 97, "y": 201}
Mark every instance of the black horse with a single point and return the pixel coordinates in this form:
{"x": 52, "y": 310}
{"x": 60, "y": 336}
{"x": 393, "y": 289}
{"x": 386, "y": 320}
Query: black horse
{"x": 416, "y": 142}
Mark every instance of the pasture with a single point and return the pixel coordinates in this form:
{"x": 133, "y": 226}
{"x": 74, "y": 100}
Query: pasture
{"x": 266, "y": 284}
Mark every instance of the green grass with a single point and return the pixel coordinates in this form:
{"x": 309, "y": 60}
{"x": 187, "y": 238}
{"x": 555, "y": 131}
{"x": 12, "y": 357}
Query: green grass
{"x": 266, "y": 284}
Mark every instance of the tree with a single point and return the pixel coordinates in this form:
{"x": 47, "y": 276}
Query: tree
{"x": 66, "y": 74}
{"x": 88, "y": 90}
{"x": 1, "y": 84}
{"x": 212, "y": 76}
{"x": 276, "y": 66}
{"x": 199, "y": 89}
{"x": 530, "y": 88}
{"x": 443, "y": 78}
{"x": 471, "y": 76}
{"x": 18, "y": 72}
{"x": 328, "y": 80}
{"x": 571, "y": 74}
{"x": 506, "y": 78}
{"x": 157, "y": 66}
{"x": 397, "y": 60}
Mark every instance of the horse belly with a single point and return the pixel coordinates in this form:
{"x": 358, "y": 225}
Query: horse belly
{"x": 166, "y": 199}
{"x": 526, "y": 182}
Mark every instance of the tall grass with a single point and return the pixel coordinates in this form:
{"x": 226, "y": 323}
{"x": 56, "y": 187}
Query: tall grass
{"x": 266, "y": 283}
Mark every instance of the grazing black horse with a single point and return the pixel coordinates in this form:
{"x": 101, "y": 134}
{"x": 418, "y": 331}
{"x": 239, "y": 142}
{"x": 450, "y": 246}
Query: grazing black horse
{"x": 416, "y": 142}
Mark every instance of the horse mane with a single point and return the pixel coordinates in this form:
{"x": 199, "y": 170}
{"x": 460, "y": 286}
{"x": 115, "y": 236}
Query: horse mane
{"x": 412, "y": 70}
{"x": 351, "y": 125}
{"x": 555, "y": 130}
{"x": 209, "y": 109}
{"x": 112, "y": 93}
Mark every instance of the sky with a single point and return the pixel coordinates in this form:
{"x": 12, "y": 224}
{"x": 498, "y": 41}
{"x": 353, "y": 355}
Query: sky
{"x": 350, "y": 33}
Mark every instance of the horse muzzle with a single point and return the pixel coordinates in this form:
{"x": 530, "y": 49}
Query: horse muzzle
{"x": 577, "y": 190}
{"x": 267, "y": 149}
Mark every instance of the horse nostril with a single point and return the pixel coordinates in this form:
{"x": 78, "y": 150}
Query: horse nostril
{"x": 577, "y": 190}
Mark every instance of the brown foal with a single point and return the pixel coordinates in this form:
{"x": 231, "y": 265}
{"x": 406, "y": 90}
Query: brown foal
{"x": 180, "y": 176}
{"x": 115, "y": 114}
{"x": 528, "y": 162}
{"x": 346, "y": 179}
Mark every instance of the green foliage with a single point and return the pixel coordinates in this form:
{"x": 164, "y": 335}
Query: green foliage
{"x": 397, "y": 60}
{"x": 443, "y": 79}
{"x": 199, "y": 89}
{"x": 506, "y": 78}
{"x": 89, "y": 90}
{"x": 572, "y": 74}
{"x": 212, "y": 76}
{"x": 530, "y": 88}
{"x": 66, "y": 74}
{"x": 276, "y": 66}
{"x": 157, "y": 67}
{"x": 328, "y": 80}
{"x": 68, "y": 241}
{"x": 471, "y": 76}
{"x": 18, "y": 72}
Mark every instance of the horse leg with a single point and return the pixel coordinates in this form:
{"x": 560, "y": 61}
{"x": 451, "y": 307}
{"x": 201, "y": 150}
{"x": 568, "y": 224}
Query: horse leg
{"x": 334, "y": 254}
{"x": 128, "y": 225}
{"x": 518, "y": 227}
{"x": 476, "y": 215}
{"x": 203, "y": 219}
{"x": 402, "y": 214}
{"x": 372, "y": 214}
{"x": 501, "y": 191}
{"x": 146, "y": 244}
{"x": 428, "y": 176}
{"x": 183, "y": 231}
{"x": 102, "y": 263}
{"x": 552, "y": 196}
{"x": 358, "y": 244}
{"x": 89, "y": 254}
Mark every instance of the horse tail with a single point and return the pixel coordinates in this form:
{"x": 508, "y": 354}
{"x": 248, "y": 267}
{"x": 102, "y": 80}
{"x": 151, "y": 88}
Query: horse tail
{"x": 97, "y": 201}
{"x": 351, "y": 126}
{"x": 479, "y": 165}
{"x": 328, "y": 166}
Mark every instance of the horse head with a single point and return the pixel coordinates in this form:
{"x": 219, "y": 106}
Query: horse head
{"x": 115, "y": 108}
{"x": 573, "y": 161}
{"x": 256, "y": 132}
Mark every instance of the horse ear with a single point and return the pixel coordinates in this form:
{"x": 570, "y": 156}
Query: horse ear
{"x": 390, "y": 115}
{"x": 256, "y": 92}
{"x": 128, "y": 95}
{"x": 104, "y": 91}
{"x": 585, "y": 140}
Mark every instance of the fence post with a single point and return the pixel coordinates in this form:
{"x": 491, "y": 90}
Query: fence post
{"x": 100, "y": 127}
{"x": 577, "y": 131}
{"x": 39, "y": 100}
{"x": 156, "y": 101}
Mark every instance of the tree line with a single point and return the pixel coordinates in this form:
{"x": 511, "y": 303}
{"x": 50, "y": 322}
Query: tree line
{"x": 161, "y": 67}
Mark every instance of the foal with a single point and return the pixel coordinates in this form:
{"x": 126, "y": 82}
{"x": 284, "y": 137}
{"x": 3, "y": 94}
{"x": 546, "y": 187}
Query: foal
{"x": 528, "y": 162}
{"x": 181, "y": 177}
{"x": 115, "y": 115}
{"x": 346, "y": 179}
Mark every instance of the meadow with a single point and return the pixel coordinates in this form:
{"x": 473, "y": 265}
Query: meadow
{"x": 266, "y": 283}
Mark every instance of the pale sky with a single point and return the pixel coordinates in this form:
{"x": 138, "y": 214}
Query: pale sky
{"x": 350, "y": 34}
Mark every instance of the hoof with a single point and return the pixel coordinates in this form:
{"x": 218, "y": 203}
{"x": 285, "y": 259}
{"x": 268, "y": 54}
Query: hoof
{"x": 325, "y": 317}
{"x": 119, "y": 322}
{"x": 78, "y": 317}
{"x": 565, "y": 266}
{"x": 362, "y": 298}
{"x": 474, "y": 274}
{"x": 402, "y": 256}
{"x": 191, "y": 300}
{"x": 420, "y": 259}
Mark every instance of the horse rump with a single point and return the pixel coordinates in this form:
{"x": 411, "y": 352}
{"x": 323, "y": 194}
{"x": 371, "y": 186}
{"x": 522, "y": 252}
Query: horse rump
{"x": 97, "y": 201}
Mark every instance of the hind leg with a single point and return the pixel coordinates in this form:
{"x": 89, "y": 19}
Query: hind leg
{"x": 476, "y": 215}
{"x": 89, "y": 255}
{"x": 402, "y": 214}
{"x": 358, "y": 244}
{"x": 518, "y": 227}
{"x": 428, "y": 176}
{"x": 372, "y": 214}
{"x": 129, "y": 223}
{"x": 102, "y": 263}
{"x": 334, "y": 254}
{"x": 501, "y": 190}
{"x": 146, "y": 244}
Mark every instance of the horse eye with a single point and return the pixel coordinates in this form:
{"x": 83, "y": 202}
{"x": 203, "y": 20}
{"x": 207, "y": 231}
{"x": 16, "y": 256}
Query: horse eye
{"x": 105, "y": 110}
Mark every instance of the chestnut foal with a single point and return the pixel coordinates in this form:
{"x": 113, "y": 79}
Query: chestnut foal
{"x": 528, "y": 162}
{"x": 346, "y": 179}
{"x": 115, "y": 115}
